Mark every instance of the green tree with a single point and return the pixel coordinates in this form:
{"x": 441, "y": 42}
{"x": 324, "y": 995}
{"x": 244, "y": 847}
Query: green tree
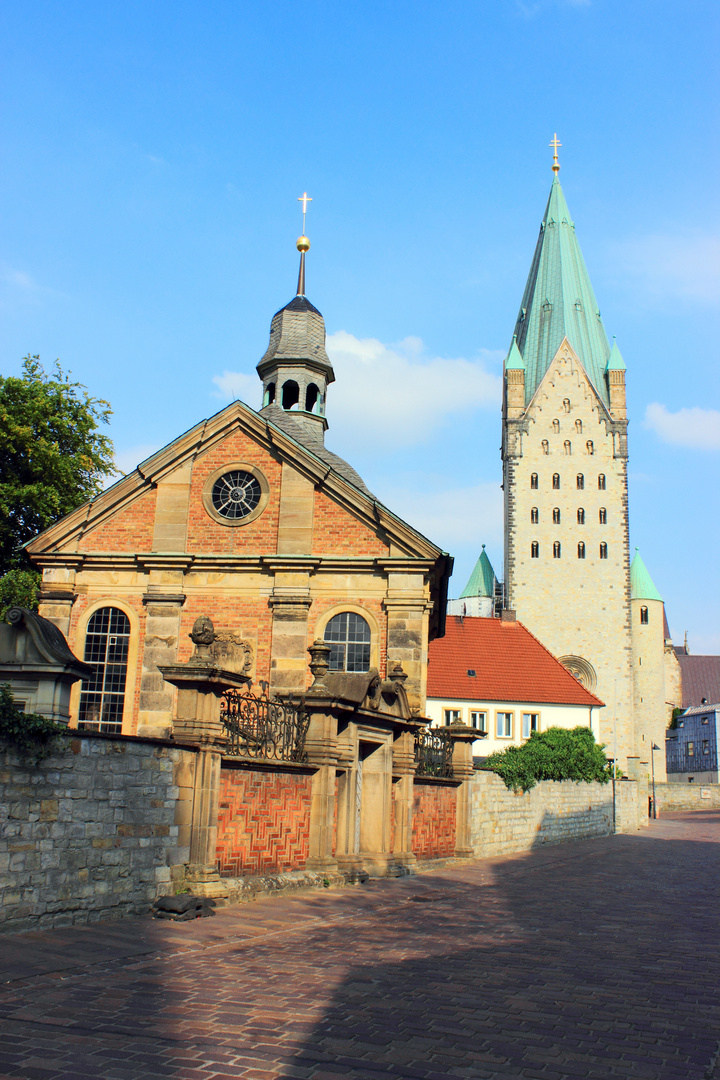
{"x": 53, "y": 456}
{"x": 19, "y": 588}
{"x": 555, "y": 754}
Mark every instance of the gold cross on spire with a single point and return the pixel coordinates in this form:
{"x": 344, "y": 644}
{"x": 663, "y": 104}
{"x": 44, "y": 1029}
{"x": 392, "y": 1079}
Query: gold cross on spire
{"x": 304, "y": 199}
{"x": 554, "y": 142}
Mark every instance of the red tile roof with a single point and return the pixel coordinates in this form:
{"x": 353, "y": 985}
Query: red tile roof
{"x": 511, "y": 665}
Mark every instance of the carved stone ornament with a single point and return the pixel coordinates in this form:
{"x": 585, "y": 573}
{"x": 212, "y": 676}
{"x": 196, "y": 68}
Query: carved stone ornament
{"x": 319, "y": 661}
{"x": 232, "y": 652}
{"x": 202, "y": 636}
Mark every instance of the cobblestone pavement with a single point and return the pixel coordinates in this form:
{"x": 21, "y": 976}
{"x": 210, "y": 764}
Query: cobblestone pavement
{"x": 597, "y": 959}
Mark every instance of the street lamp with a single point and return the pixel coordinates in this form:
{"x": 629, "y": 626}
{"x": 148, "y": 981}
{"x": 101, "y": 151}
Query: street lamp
{"x": 653, "y": 748}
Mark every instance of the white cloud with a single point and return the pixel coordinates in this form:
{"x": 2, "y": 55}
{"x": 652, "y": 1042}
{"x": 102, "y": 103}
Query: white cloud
{"x": 397, "y": 395}
{"x": 233, "y": 385}
{"x": 685, "y": 266}
{"x": 697, "y": 429}
{"x": 449, "y": 517}
{"x": 393, "y": 395}
{"x": 126, "y": 461}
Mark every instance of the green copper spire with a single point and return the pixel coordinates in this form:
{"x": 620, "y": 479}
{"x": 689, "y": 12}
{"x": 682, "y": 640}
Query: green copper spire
{"x": 641, "y": 584}
{"x": 559, "y": 302}
{"x": 482, "y": 579}
{"x": 615, "y": 361}
{"x": 514, "y": 359}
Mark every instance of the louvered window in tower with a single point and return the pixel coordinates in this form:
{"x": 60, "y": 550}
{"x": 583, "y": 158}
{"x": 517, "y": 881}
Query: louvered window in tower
{"x": 601, "y": 482}
{"x": 603, "y": 550}
{"x": 534, "y": 550}
{"x": 557, "y": 551}
{"x": 534, "y": 515}
{"x": 580, "y": 481}
{"x": 556, "y": 481}
{"x": 534, "y": 481}
{"x": 581, "y": 516}
{"x": 581, "y": 550}
{"x": 602, "y": 515}
{"x": 556, "y": 515}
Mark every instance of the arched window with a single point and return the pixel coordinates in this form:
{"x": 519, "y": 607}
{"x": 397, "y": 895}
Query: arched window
{"x": 602, "y": 515}
{"x": 556, "y": 515}
{"x": 644, "y": 615}
{"x": 534, "y": 515}
{"x": 102, "y": 697}
{"x": 601, "y": 482}
{"x": 590, "y": 447}
{"x": 311, "y": 396}
{"x": 534, "y": 550}
{"x": 556, "y": 481}
{"x": 580, "y": 481}
{"x": 270, "y": 393}
{"x": 556, "y": 426}
{"x": 581, "y": 516}
{"x": 290, "y": 394}
{"x": 348, "y": 636}
{"x": 545, "y": 446}
{"x": 603, "y": 550}
{"x": 567, "y": 446}
{"x": 556, "y": 550}
{"x": 566, "y": 404}
{"x": 578, "y": 426}
{"x": 581, "y": 550}
{"x": 534, "y": 481}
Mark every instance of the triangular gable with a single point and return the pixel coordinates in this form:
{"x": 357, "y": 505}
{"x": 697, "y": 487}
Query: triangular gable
{"x": 117, "y": 501}
{"x": 566, "y": 347}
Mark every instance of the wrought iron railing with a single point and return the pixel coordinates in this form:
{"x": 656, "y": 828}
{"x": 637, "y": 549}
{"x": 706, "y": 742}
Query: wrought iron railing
{"x": 433, "y": 753}
{"x": 258, "y": 726}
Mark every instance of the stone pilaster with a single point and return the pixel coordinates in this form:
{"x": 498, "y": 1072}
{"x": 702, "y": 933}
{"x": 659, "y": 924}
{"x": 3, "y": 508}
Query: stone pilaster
{"x": 463, "y": 769}
{"x": 403, "y": 794}
{"x": 408, "y": 609}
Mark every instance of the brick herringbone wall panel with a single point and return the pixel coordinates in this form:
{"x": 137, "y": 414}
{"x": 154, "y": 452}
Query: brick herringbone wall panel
{"x": 434, "y": 821}
{"x": 263, "y": 823}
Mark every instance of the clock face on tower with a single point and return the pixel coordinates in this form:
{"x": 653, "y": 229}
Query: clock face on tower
{"x": 236, "y": 494}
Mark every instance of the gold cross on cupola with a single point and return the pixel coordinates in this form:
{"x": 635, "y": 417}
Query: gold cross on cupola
{"x": 555, "y": 143}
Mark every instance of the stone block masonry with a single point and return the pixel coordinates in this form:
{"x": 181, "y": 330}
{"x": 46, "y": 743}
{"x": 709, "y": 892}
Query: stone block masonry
{"x": 673, "y": 797}
{"x": 504, "y": 821}
{"x": 92, "y": 832}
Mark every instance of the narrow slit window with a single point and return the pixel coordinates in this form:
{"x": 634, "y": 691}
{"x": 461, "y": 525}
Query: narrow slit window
{"x": 578, "y": 426}
{"x": 581, "y": 550}
{"x": 644, "y": 615}
{"x": 556, "y": 481}
{"x": 580, "y": 482}
{"x": 590, "y": 446}
{"x": 556, "y": 515}
{"x": 566, "y": 404}
{"x": 603, "y": 550}
{"x": 545, "y": 447}
{"x": 602, "y": 515}
{"x": 534, "y": 515}
{"x": 581, "y": 516}
{"x": 601, "y": 482}
{"x": 557, "y": 550}
{"x": 534, "y": 550}
{"x": 534, "y": 481}
{"x": 556, "y": 426}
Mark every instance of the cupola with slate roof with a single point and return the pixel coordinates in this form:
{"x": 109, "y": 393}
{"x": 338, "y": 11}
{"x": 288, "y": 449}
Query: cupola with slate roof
{"x": 296, "y": 370}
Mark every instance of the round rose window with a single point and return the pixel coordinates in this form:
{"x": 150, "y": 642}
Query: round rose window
{"x": 236, "y": 494}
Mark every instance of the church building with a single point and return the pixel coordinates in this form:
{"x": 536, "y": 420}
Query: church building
{"x": 249, "y": 519}
{"x": 565, "y": 482}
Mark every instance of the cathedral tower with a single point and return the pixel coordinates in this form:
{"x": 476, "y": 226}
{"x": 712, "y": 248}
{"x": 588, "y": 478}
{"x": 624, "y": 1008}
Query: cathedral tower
{"x": 564, "y": 452}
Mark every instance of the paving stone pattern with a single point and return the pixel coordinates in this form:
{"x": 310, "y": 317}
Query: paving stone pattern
{"x": 597, "y": 959}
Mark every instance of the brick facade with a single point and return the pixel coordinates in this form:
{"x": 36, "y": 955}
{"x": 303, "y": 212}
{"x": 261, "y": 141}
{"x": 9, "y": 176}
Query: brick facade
{"x": 434, "y": 822}
{"x": 264, "y": 821}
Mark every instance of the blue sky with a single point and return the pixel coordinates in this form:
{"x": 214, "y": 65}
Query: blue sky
{"x": 153, "y": 153}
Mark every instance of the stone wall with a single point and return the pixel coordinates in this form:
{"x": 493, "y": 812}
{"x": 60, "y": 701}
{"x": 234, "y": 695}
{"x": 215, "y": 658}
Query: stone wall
{"x": 434, "y": 822}
{"x": 672, "y": 797}
{"x": 95, "y": 831}
{"x": 264, "y": 820}
{"x": 552, "y": 812}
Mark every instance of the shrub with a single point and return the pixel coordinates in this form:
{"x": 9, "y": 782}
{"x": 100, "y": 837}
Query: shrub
{"x": 555, "y": 754}
{"x": 28, "y": 734}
